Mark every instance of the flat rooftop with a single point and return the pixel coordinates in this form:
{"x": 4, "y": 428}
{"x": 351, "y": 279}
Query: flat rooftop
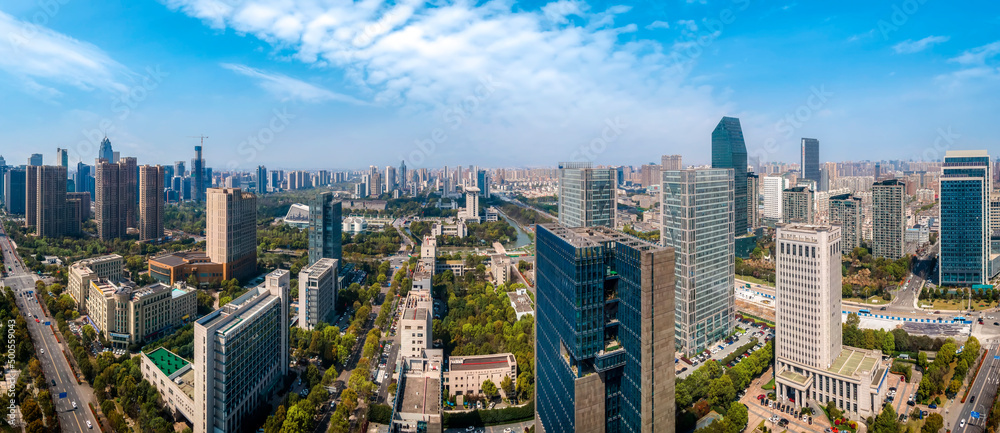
{"x": 167, "y": 361}
{"x": 414, "y": 314}
{"x": 421, "y": 395}
{"x": 581, "y": 237}
{"x": 521, "y": 303}
{"x": 794, "y": 377}
{"x": 179, "y": 258}
{"x": 852, "y": 361}
{"x": 480, "y": 362}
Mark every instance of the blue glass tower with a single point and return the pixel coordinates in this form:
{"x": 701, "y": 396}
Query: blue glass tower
{"x": 325, "y": 227}
{"x": 965, "y": 218}
{"x": 730, "y": 151}
{"x": 106, "y": 152}
{"x": 605, "y": 332}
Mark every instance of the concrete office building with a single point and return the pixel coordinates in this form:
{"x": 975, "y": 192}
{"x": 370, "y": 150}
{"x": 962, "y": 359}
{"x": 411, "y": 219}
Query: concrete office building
{"x": 671, "y": 162}
{"x": 465, "y": 375}
{"x": 730, "y": 151}
{"x": 586, "y": 195}
{"x": 241, "y": 355}
{"x": 127, "y": 314}
{"x": 115, "y": 202}
{"x": 83, "y": 272}
{"x": 753, "y": 201}
{"x": 604, "y": 347}
{"x": 471, "y": 204}
{"x": 416, "y": 328}
{"x": 809, "y": 163}
{"x": 317, "y": 292}
{"x": 797, "y": 205}
{"x": 173, "y": 377}
{"x": 888, "y": 219}
{"x": 965, "y": 218}
{"x": 151, "y": 202}
{"x": 697, "y": 211}
{"x": 811, "y": 362}
{"x": 325, "y": 228}
{"x": 772, "y": 186}
{"x": 231, "y": 231}
{"x": 845, "y": 211}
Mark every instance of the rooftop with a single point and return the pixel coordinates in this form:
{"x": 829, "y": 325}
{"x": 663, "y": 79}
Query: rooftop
{"x": 853, "y": 361}
{"x": 794, "y": 377}
{"x": 466, "y": 363}
{"x": 180, "y": 258}
{"x": 415, "y": 314}
{"x": 520, "y": 303}
{"x": 168, "y": 362}
{"x": 421, "y": 395}
{"x": 581, "y": 237}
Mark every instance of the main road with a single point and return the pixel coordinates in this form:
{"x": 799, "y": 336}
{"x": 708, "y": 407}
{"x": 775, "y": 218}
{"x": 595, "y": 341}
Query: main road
{"x": 982, "y": 390}
{"x": 47, "y": 349}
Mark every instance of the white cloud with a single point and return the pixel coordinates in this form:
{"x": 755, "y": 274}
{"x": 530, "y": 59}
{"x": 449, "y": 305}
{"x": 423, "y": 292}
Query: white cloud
{"x": 689, "y": 24}
{"x": 44, "y": 59}
{"x": 910, "y": 46}
{"x": 658, "y": 25}
{"x": 978, "y": 55}
{"x": 556, "y": 74}
{"x": 288, "y": 88}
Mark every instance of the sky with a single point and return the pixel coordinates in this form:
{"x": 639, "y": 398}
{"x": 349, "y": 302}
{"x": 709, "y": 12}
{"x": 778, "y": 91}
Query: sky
{"x": 332, "y": 84}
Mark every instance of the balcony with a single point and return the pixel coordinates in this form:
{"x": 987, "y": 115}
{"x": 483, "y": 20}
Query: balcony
{"x": 613, "y": 356}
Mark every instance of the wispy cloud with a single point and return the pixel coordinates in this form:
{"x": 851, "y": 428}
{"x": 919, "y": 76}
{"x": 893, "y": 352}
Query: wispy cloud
{"x": 658, "y": 25}
{"x": 45, "y": 60}
{"x": 288, "y": 88}
{"x": 978, "y": 55}
{"x": 910, "y": 46}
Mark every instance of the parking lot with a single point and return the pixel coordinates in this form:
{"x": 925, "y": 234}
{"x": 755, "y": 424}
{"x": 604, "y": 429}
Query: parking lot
{"x": 753, "y": 331}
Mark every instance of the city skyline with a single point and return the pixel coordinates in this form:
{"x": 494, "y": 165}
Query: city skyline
{"x": 371, "y": 82}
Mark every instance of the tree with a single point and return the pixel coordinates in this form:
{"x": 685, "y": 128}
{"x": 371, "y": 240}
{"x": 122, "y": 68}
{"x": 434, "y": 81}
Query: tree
{"x": 888, "y": 343}
{"x": 886, "y": 421}
{"x": 932, "y": 423}
{"x": 721, "y": 390}
{"x": 489, "y": 389}
{"x": 507, "y": 386}
{"x": 737, "y": 417}
{"x": 922, "y": 360}
{"x": 955, "y": 386}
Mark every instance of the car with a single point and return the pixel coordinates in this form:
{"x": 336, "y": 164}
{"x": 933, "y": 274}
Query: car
{"x": 972, "y": 400}
{"x": 42, "y": 351}
{"x": 74, "y": 405}
{"x": 470, "y": 428}
{"x": 89, "y": 425}
{"x": 961, "y": 423}
{"x": 53, "y": 382}
{"x": 911, "y": 403}
{"x": 932, "y": 406}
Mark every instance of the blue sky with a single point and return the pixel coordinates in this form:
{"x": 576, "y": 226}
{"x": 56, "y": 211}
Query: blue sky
{"x": 340, "y": 84}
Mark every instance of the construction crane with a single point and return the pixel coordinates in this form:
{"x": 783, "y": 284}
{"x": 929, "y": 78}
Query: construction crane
{"x": 202, "y": 137}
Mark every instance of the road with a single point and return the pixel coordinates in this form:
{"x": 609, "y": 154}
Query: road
{"x": 48, "y": 350}
{"x": 983, "y": 389}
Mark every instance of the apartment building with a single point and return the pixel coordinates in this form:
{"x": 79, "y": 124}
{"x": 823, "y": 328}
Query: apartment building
{"x": 317, "y": 292}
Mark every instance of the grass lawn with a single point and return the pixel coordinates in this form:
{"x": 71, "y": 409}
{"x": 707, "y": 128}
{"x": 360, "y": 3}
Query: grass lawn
{"x": 753, "y": 280}
{"x": 943, "y": 304}
{"x": 874, "y": 300}
{"x": 769, "y": 385}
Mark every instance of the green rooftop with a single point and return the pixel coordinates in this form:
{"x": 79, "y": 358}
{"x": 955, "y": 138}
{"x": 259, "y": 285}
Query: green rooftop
{"x": 167, "y": 361}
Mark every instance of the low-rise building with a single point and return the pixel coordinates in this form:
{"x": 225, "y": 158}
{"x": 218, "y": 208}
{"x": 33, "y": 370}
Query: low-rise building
{"x": 457, "y": 229}
{"x": 127, "y": 314}
{"x": 417, "y": 407}
{"x": 81, "y": 273}
{"x": 465, "y": 375}
{"x": 173, "y": 377}
{"x": 179, "y": 266}
{"x": 521, "y": 303}
{"x": 500, "y": 269}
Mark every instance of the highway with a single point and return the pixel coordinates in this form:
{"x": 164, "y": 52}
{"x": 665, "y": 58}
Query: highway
{"x": 983, "y": 390}
{"x": 47, "y": 349}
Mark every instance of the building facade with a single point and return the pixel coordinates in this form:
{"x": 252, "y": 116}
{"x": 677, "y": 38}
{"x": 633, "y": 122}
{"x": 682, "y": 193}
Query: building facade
{"x": 730, "y": 151}
{"x": 317, "y": 292}
{"x": 586, "y": 195}
{"x": 697, "y": 211}
{"x": 809, "y": 163}
{"x": 797, "y": 205}
{"x": 115, "y": 200}
{"x": 82, "y": 272}
{"x": 888, "y": 219}
{"x": 231, "y": 231}
{"x": 53, "y": 215}
{"x": 127, "y": 314}
{"x": 753, "y": 201}
{"x": 171, "y": 268}
{"x": 151, "y": 202}
{"x": 604, "y": 332}
{"x": 845, "y": 211}
{"x": 965, "y": 218}
{"x": 465, "y": 375}
{"x": 772, "y": 186}
{"x": 325, "y": 228}
{"x": 241, "y": 355}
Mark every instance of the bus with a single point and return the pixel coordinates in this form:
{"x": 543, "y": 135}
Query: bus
{"x": 864, "y": 311}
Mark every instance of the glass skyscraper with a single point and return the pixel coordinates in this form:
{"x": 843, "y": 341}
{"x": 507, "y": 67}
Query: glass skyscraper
{"x": 809, "y": 165}
{"x": 965, "y": 218}
{"x": 698, "y": 215}
{"x": 325, "y": 228}
{"x": 604, "y": 345}
{"x": 586, "y": 195}
{"x": 730, "y": 151}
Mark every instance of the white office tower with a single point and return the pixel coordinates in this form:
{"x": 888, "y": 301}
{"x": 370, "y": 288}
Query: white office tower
{"x": 241, "y": 355}
{"x": 773, "y": 187}
{"x": 317, "y": 292}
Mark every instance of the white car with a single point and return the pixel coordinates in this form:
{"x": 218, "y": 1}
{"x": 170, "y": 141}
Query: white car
{"x": 89, "y": 425}
{"x": 961, "y": 423}
{"x": 42, "y": 350}
{"x": 74, "y": 405}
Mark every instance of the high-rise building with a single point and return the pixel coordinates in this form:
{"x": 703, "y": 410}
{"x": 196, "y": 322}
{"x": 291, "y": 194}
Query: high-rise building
{"x": 888, "y": 219}
{"x": 198, "y": 173}
{"x": 115, "y": 204}
{"x": 317, "y": 292}
{"x": 586, "y": 195}
{"x": 82, "y": 203}
{"x": 390, "y": 178}
{"x": 797, "y": 205}
{"x": 811, "y": 362}
{"x": 35, "y": 160}
{"x": 253, "y": 330}
{"x": 54, "y": 216}
{"x": 231, "y": 231}
{"x": 671, "y": 162}
{"x": 604, "y": 333}
{"x": 325, "y": 227}
{"x": 649, "y": 175}
{"x": 15, "y": 186}
{"x": 965, "y": 218}
{"x": 151, "y": 202}
{"x": 31, "y": 196}
{"x": 730, "y": 151}
{"x": 82, "y": 272}
{"x": 85, "y": 179}
{"x": 845, "y": 211}
{"x": 179, "y": 169}
{"x": 62, "y": 157}
{"x": 3, "y": 175}
{"x": 809, "y": 165}
{"x": 697, "y": 211}
{"x": 106, "y": 152}
{"x": 261, "y": 180}
{"x": 995, "y": 215}
{"x": 471, "y": 203}
{"x": 753, "y": 201}
{"x": 772, "y": 187}
{"x": 483, "y": 183}
{"x": 404, "y": 178}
